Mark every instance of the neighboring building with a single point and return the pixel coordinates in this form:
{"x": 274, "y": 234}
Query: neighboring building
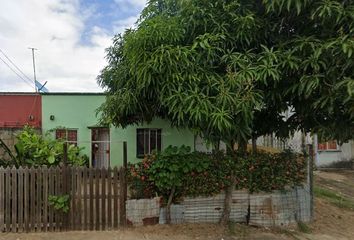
{"x": 326, "y": 154}
{"x": 330, "y": 154}
{"x": 16, "y": 111}
{"x": 72, "y": 116}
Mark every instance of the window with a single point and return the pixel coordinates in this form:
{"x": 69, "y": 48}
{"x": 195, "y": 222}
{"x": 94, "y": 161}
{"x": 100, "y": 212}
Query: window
{"x": 69, "y": 135}
{"x": 147, "y": 140}
{"x": 328, "y": 146}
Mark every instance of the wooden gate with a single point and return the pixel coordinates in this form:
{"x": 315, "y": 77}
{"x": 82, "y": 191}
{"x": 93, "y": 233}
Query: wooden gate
{"x": 96, "y": 199}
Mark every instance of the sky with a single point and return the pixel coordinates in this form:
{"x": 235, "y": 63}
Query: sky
{"x": 71, "y": 37}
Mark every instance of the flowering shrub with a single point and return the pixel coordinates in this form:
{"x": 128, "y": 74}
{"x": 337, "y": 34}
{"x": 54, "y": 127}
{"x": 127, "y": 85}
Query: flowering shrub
{"x": 270, "y": 171}
{"x": 196, "y": 174}
{"x": 139, "y": 182}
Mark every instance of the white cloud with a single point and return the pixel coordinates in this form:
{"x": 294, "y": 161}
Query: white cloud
{"x": 55, "y": 27}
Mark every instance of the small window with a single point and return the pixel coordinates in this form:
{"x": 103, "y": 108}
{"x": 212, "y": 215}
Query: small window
{"x": 147, "y": 140}
{"x": 328, "y": 146}
{"x": 68, "y": 135}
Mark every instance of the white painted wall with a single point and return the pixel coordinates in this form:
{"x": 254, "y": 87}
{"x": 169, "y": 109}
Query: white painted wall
{"x": 345, "y": 152}
{"x": 293, "y": 142}
{"x": 202, "y": 146}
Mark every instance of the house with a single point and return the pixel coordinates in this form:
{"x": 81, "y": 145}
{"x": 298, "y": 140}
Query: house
{"x": 72, "y": 116}
{"x": 326, "y": 154}
{"x": 331, "y": 154}
{"x": 16, "y": 111}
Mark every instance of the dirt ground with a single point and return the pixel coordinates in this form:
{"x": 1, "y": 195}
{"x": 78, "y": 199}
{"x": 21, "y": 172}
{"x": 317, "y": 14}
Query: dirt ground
{"x": 341, "y": 181}
{"x": 331, "y": 223}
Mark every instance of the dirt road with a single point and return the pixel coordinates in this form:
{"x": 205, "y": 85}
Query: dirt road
{"x": 159, "y": 232}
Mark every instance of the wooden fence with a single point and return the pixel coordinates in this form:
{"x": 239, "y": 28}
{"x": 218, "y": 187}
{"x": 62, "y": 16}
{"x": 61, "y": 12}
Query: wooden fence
{"x": 97, "y": 199}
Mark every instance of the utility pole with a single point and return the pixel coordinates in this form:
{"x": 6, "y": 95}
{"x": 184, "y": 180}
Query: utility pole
{"x": 34, "y": 68}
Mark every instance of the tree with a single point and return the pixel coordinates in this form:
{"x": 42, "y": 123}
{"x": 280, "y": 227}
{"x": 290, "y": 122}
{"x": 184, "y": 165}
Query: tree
{"x": 229, "y": 69}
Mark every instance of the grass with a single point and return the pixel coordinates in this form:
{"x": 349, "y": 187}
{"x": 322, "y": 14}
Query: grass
{"x": 334, "y": 198}
{"x": 239, "y": 230}
{"x": 242, "y": 231}
{"x": 303, "y": 227}
{"x": 285, "y": 231}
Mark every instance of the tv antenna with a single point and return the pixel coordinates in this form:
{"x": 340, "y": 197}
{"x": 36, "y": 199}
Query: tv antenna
{"x": 34, "y": 67}
{"x": 37, "y": 85}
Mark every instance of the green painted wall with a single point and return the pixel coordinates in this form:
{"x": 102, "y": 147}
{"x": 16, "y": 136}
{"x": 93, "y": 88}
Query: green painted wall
{"x": 78, "y": 111}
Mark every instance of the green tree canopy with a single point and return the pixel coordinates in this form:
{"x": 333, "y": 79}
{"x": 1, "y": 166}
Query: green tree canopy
{"x": 231, "y": 68}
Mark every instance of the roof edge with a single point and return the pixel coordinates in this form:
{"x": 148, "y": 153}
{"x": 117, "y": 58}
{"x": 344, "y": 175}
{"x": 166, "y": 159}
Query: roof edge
{"x": 74, "y": 93}
{"x": 19, "y": 93}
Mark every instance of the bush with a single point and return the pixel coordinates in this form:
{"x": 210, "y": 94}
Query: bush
{"x": 200, "y": 174}
{"x": 33, "y": 149}
{"x": 271, "y": 171}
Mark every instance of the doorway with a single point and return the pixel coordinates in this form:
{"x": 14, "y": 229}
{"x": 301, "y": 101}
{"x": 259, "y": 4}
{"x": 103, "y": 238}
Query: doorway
{"x": 100, "y": 147}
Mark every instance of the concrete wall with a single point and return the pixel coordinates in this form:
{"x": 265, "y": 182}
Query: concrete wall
{"x": 202, "y": 146}
{"x": 78, "y": 111}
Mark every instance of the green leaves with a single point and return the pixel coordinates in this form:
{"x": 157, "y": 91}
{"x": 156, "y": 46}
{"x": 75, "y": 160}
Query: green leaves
{"x": 199, "y": 174}
{"x": 221, "y": 67}
{"x": 33, "y": 149}
{"x": 280, "y": 6}
{"x": 60, "y": 202}
{"x": 328, "y": 9}
{"x": 348, "y": 47}
{"x": 220, "y": 120}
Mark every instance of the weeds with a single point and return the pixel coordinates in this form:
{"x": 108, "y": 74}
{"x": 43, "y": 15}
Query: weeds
{"x": 334, "y": 198}
{"x": 303, "y": 227}
{"x": 239, "y": 230}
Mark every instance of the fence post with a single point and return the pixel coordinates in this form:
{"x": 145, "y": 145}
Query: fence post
{"x": 125, "y": 155}
{"x": 65, "y": 153}
{"x": 123, "y": 185}
{"x": 2, "y": 199}
{"x": 310, "y": 178}
{"x": 66, "y": 181}
{"x": 122, "y": 197}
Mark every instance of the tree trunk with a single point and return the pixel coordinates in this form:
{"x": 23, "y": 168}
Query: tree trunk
{"x": 254, "y": 144}
{"x": 168, "y": 207}
{"x": 217, "y": 146}
{"x": 242, "y": 146}
{"x": 225, "y": 217}
{"x": 303, "y": 142}
{"x": 231, "y": 148}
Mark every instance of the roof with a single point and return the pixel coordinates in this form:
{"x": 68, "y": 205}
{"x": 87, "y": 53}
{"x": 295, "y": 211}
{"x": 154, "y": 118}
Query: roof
{"x": 75, "y": 93}
{"x": 18, "y": 93}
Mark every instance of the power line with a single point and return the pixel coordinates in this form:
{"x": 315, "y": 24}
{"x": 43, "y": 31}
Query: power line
{"x": 15, "y": 71}
{"x": 31, "y": 81}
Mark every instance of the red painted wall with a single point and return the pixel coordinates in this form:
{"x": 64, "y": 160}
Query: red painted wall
{"x": 19, "y": 109}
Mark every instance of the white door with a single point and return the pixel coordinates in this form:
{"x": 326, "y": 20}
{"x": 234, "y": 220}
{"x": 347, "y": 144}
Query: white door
{"x": 100, "y": 147}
